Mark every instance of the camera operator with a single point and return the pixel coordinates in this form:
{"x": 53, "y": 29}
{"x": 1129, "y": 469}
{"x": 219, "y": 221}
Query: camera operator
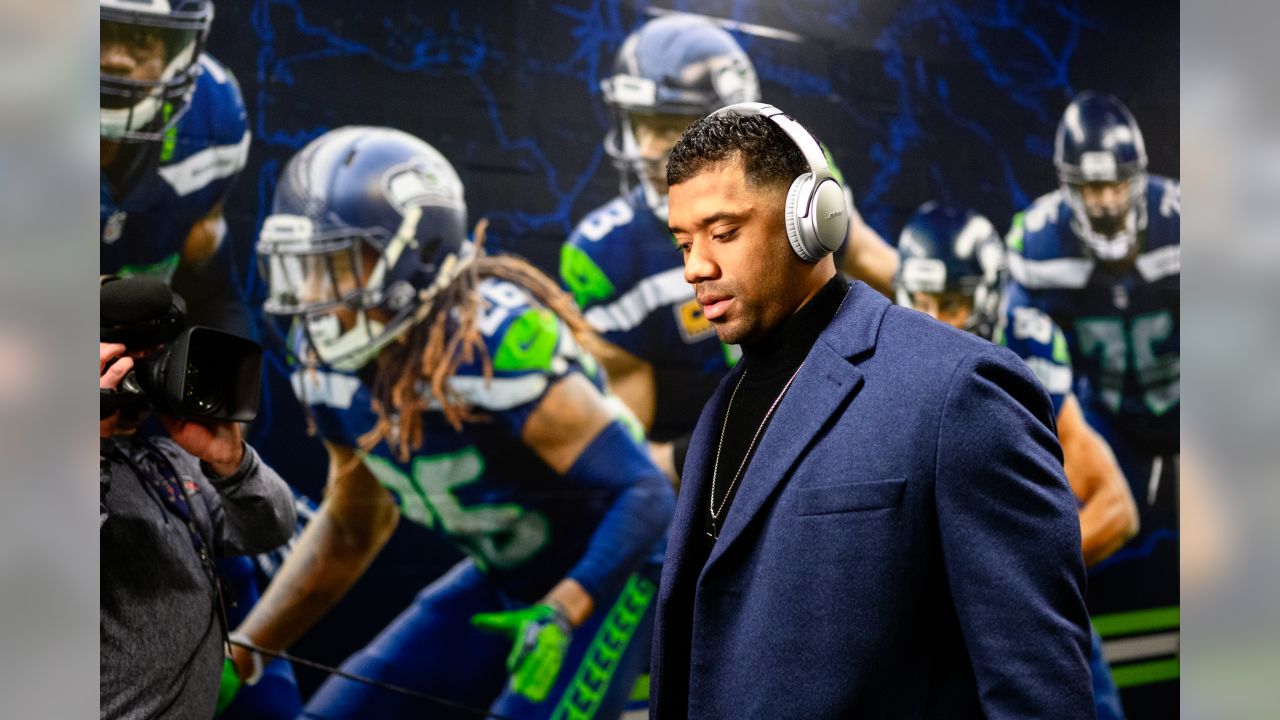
{"x": 168, "y": 506}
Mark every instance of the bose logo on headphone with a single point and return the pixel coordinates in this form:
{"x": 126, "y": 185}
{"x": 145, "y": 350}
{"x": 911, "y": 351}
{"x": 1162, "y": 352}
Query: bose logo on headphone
{"x": 815, "y": 210}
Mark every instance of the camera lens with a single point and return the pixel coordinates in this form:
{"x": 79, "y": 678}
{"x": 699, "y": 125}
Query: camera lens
{"x": 198, "y": 393}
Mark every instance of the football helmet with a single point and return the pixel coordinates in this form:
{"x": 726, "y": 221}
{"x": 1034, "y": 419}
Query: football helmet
{"x": 945, "y": 249}
{"x": 675, "y": 65}
{"x": 149, "y": 59}
{"x": 1098, "y": 141}
{"x": 366, "y": 225}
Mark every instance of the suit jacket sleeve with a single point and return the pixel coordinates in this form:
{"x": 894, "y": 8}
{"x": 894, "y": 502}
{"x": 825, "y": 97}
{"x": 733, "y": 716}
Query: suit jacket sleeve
{"x": 1011, "y": 542}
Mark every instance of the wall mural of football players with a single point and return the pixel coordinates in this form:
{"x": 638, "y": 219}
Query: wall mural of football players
{"x": 918, "y": 100}
{"x": 1100, "y": 256}
{"x": 174, "y": 136}
{"x": 451, "y": 388}
{"x": 661, "y": 354}
{"x": 953, "y": 270}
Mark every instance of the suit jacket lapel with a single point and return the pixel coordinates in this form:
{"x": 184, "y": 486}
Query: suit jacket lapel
{"x": 823, "y": 384}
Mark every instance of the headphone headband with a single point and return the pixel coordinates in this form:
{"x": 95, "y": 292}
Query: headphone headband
{"x": 799, "y": 135}
{"x": 816, "y": 213}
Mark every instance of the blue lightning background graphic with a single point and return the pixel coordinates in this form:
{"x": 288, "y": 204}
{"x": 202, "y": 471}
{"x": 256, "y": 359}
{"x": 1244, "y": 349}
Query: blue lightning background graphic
{"x": 917, "y": 99}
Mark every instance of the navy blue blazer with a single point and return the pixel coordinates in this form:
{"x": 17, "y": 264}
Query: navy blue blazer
{"x": 904, "y": 543}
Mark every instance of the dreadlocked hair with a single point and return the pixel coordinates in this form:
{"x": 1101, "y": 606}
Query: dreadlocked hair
{"x": 447, "y": 337}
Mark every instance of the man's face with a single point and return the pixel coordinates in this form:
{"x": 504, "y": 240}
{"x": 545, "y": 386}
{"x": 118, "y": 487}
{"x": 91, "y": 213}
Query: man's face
{"x": 952, "y": 308}
{"x": 735, "y": 250}
{"x": 131, "y": 52}
{"x": 1106, "y": 204}
{"x": 655, "y": 136}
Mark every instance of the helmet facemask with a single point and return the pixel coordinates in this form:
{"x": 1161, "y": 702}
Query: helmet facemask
{"x": 1098, "y": 151}
{"x": 625, "y": 149}
{"x": 1110, "y": 234}
{"x": 674, "y": 67}
{"x": 337, "y": 285}
{"x": 944, "y": 252}
{"x": 148, "y": 66}
{"x": 987, "y": 294}
{"x": 927, "y": 276}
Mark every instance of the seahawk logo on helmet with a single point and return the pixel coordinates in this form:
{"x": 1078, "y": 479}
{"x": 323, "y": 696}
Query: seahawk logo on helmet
{"x": 367, "y": 224}
{"x": 149, "y": 53}
{"x": 945, "y": 249}
{"x": 675, "y": 65}
{"x": 1098, "y": 144}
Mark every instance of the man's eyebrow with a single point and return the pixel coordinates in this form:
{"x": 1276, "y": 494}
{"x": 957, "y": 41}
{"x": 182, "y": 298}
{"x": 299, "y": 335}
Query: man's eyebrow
{"x": 710, "y": 220}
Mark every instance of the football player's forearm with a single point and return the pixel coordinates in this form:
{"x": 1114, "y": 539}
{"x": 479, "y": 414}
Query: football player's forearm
{"x": 664, "y": 456}
{"x": 632, "y": 381}
{"x": 1107, "y": 521}
{"x": 1108, "y": 516}
{"x": 639, "y": 515}
{"x": 630, "y": 378}
{"x": 870, "y": 259}
{"x": 574, "y": 599}
{"x": 638, "y": 393}
{"x": 324, "y": 564}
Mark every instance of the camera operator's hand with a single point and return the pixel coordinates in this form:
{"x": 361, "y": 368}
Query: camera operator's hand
{"x": 218, "y": 444}
{"x": 109, "y": 376}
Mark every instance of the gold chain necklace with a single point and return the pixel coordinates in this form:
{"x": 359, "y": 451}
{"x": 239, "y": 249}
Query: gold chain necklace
{"x": 714, "y": 533}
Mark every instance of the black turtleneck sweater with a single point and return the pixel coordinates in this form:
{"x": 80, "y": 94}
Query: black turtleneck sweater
{"x": 768, "y": 366}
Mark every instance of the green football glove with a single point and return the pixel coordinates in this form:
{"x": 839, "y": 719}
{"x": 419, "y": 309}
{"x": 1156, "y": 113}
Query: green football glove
{"x": 541, "y": 639}
{"x": 231, "y": 684}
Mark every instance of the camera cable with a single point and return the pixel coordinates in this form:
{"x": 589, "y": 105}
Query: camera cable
{"x": 479, "y": 712}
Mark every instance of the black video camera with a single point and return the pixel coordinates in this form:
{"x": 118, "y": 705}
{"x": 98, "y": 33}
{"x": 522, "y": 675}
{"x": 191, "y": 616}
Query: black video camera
{"x": 192, "y": 372}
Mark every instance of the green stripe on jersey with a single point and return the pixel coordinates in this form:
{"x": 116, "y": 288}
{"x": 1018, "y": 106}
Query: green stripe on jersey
{"x": 640, "y": 691}
{"x": 1145, "y": 673}
{"x": 583, "y": 276}
{"x": 1137, "y": 621}
{"x": 163, "y": 269}
{"x": 1014, "y": 239}
{"x": 1060, "y": 353}
{"x": 170, "y": 136}
{"x": 831, "y": 164}
{"x": 584, "y": 694}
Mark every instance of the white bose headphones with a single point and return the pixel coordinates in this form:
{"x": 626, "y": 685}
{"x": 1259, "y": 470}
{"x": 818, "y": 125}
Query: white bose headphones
{"x": 817, "y": 217}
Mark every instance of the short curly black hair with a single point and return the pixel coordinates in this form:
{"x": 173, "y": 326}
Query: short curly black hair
{"x": 770, "y": 157}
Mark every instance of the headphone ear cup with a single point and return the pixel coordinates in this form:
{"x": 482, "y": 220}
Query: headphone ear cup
{"x": 802, "y": 246}
{"x": 828, "y": 217}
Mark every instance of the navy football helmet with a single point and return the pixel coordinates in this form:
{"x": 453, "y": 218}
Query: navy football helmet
{"x": 1098, "y": 141}
{"x": 149, "y": 59}
{"x": 675, "y": 65}
{"x": 946, "y": 249}
{"x": 367, "y": 224}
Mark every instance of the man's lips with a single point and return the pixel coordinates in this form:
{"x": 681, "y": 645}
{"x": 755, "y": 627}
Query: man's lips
{"x": 715, "y": 306}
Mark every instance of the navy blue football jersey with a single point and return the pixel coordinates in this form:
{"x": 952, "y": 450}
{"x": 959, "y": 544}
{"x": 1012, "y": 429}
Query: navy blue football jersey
{"x": 481, "y": 487}
{"x": 1037, "y": 339}
{"x": 1121, "y": 323}
{"x": 144, "y": 232}
{"x": 627, "y": 276}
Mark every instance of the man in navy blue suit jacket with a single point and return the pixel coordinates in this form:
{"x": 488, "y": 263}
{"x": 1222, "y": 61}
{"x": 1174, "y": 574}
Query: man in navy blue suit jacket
{"x": 874, "y": 520}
